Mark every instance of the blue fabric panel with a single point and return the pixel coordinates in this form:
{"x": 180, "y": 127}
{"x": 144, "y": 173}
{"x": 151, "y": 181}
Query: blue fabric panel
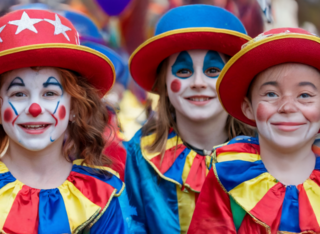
{"x": 290, "y": 211}
{"x": 53, "y": 216}
{"x": 199, "y": 15}
{"x": 244, "y": 139}
{"x": 176, "y": 170}
{"x": 154, "y": 197}
{"x": 172, "y": 134}
{"x": 6, "y": 178}
{"x": 317, "y": 166}
{"x": 233, "y": 173}
{"x": 111, "y": 221}
{"x": 109, "y": 179}
{"x": 133, "y": 186}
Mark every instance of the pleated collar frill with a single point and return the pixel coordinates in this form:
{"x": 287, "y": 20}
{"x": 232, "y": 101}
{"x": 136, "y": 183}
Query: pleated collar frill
{"x": 180, "y": 164}
{"x": 78, "y": 202}
{"x": 279, "y": 208}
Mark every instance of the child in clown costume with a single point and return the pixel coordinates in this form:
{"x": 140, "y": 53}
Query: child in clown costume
{"x": 268, "y": 184}
{"x": 168, "y": 160}
{"x": 50, "y": 92}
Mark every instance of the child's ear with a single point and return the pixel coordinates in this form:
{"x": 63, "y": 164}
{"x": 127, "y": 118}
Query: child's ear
{"x": 247, "y": 109}
{"x": 72, "y": 116}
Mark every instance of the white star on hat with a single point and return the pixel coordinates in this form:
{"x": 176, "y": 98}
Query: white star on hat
{"x": 25, "y": 23}
{"x": 1, "y": 31}
{"x": 59, "y": 27}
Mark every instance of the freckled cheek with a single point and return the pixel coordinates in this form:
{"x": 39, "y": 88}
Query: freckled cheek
{"x": 264, "y": 111}
{"x": 175, "y": 86}
{"x": 8, "y": 115}
{"x": 62, "y": 112}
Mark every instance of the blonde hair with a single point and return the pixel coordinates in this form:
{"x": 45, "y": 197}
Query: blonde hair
{"x": 165, "y": 119}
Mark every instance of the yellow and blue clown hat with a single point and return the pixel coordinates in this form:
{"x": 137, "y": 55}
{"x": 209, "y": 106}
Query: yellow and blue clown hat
{"x": 186, "y": 28}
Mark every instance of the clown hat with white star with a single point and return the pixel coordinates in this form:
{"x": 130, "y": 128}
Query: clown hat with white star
{"x": 31, "y": 38}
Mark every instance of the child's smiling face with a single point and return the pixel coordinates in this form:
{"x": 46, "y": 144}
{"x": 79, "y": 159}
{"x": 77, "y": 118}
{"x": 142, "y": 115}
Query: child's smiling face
{"x": 34, "y": 107}
{"x": 285, "y": 104}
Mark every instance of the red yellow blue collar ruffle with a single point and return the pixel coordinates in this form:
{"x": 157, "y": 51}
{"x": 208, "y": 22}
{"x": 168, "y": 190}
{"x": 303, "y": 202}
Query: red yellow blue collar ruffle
{"x": 180, "y": 165}
{"x": 78, "y": 202}
{"x": 287, "y": 209}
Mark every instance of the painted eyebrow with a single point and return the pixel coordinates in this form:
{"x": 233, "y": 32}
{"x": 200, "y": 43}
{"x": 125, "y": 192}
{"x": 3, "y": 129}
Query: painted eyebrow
{"x": 306, "y": 83}
{"x": 15, "y": 83}
{"x": 52, "y": 81}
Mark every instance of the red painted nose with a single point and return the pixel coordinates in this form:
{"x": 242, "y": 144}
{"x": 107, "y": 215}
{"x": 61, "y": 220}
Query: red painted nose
{"x": 35, "y": 109}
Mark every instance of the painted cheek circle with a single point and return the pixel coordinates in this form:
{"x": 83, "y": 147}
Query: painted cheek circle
{"x": 264, "y": 111}
{"x": 62, "y": 112}
{"x": 175, "y": 86}
{"x": 8, "y": 115}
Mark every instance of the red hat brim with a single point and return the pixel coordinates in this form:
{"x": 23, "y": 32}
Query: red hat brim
{"x": 146, "y": 58}
{"x": 237, "y": 75}
{"x": 91, "y": 64}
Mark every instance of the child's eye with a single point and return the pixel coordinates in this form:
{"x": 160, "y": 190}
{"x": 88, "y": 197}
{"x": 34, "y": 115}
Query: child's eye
{"x": 212, "y": 72}
{"x": 50, "y": 94}
{"x": 184, "y": 73}
{"x": 19, "y": 94}
{"x": 271, "y": 94}
{"x": 304, "y": 95}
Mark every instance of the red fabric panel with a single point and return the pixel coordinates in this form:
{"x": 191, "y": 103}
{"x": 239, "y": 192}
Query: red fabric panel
{"x": 249, "y": 226}
{"x": 239, "y": 148}
{"x": 118, "y": 155}
{"x": 269, "y": 208}
{"x": 23, "y": 216}
{"x": 94, "y": 189}
{"x": 213, "y": 212}
{"x": 197, "y": 174}
{"x": 307, "y": 218}
{"x": 169, "y": 157}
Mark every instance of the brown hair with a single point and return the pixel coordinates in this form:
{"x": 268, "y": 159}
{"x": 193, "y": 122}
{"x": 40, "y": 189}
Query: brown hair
{"x": 165, "y": 119}
{"x": 85, "y": 138}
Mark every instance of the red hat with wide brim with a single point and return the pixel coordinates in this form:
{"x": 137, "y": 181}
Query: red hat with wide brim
{"x": 277, "y": 46}
{"x": 30, "y": 38}
{"x": 192, "y": 27}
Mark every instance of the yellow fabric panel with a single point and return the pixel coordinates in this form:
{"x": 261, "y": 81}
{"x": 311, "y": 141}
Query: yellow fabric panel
{"x": 148, "y": 140}
{"x": 79, "y": 161}
{"x": 79, "y": 208}
{"x": 313, "y": 193}
{"x": 187, "y": 165}
{"x": 231, "y": 156}
{"x": 3, "y": 168}
{"x": 250, "y": 192}
{"x": 186, "y": 205}
{"x": 7, "y": 195}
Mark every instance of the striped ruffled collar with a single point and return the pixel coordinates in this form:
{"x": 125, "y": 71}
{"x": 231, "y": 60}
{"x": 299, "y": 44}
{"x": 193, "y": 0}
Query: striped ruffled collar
{"x": 78, "y": 202}
{"x": 289, "y": 209}
{"x": 180, "y": 165}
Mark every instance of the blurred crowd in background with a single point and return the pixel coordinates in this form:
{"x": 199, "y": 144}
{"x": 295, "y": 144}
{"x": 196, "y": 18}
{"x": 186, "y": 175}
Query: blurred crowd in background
{"x": 117, "y": 27}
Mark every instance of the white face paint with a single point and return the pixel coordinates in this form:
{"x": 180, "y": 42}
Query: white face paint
{"x": 35, "y": 110}
{"x": 191, "y": 84}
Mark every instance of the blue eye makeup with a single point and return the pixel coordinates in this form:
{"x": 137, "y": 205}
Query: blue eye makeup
{"x": 212, "y": 60}
{"x": 183, "y": 65}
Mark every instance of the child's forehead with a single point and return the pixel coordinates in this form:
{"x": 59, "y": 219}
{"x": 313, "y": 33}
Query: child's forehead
{"x": 287, "y": 72}
{"x": 31, "y": 72}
